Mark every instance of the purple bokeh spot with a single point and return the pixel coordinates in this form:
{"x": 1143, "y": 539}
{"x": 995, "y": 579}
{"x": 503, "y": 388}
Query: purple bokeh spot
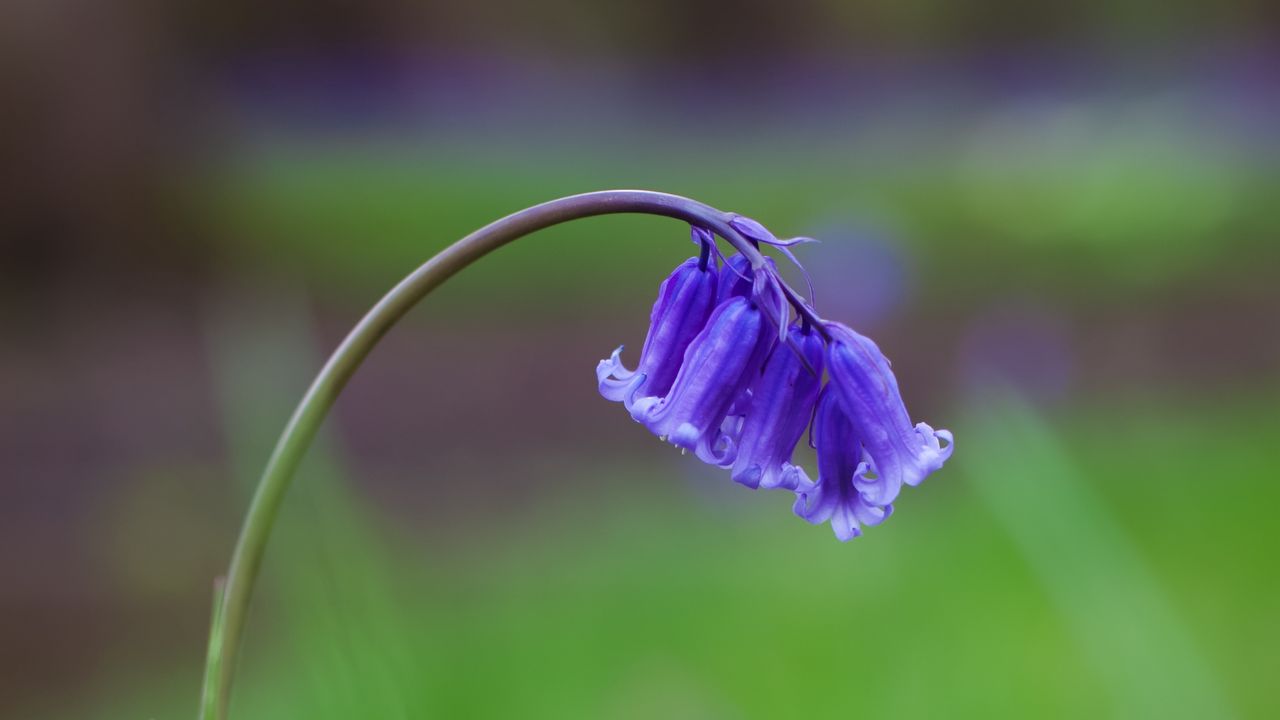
{"x": 1022, "y": 344}
{"x": 864, "y": 276}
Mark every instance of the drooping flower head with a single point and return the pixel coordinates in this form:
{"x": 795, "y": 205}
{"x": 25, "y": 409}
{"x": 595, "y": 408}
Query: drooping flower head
{"x": 724, "y": 372}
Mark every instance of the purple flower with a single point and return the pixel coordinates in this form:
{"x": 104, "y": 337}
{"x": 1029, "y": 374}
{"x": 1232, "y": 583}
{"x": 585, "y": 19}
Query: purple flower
{"x": 719, "y": 365}
{"x": 777, "y": 413}
{"x": 835, "y": 498}
{"x": 725, "y": 372}
{"x": 684, "y": 303}
{"x": 868, "y": 392}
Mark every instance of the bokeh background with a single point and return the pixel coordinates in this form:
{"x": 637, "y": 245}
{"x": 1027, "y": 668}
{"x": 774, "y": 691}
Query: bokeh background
{"x": 1060, "y": 220}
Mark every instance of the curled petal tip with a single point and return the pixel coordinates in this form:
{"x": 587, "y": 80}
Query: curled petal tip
{"x": 792, "y": 477}
{"x": 614, "y": 379}
{"x": 717, "y": 449}
{"x": 845, "y": 526}
{"x": 802, "y": 510}
{"x": 641, "y": 408}
{"x": 613, "y": 364}
{"x": 932, "y": 436}
{"x": 932, "y": 453}
{"x": 872, "y": 515}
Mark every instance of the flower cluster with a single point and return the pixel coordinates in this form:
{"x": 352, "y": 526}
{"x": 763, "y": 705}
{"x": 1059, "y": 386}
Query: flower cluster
{"x": 727, "y": 373}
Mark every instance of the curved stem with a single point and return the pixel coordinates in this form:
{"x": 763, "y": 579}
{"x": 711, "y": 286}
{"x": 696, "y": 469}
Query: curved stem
{"x": 301, "y": 429}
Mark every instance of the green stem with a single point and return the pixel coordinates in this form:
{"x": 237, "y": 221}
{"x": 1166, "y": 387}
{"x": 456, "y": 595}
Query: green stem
{"x": 213, "y": 660}
{"x": 229, "y": 619}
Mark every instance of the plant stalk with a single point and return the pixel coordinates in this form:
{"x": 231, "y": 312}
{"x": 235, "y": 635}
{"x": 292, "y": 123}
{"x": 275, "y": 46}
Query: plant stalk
{"x": 231, "y": 605}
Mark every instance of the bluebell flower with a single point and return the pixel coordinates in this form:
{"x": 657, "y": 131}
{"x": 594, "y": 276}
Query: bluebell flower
{"x": 719, "y": 365}
{"x": 899, "y": 452}
{"x": 685, "y": 301}
{"x": 842, "y": 464}
{"x": 724, "y": 372}
{"x": 777, "y": 413}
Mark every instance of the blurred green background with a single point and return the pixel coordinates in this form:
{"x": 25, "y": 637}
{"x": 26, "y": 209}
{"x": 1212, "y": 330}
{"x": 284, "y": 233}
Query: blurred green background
{"x": 1060, "y": 223}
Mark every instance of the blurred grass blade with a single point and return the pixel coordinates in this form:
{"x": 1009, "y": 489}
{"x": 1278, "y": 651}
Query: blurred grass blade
{"x": 208, "y": 694}
{"x": 1114, "y": 607}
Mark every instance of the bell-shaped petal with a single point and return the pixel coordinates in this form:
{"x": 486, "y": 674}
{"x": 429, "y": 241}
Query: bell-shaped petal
{"x": 684, "y": 303}
{"x": 737, "y": 279}
{"x": 841, "y": 464}
{"x": 719, "y": 365}
{"x": 899, "y": 451}
{"x": 780, "y": 406}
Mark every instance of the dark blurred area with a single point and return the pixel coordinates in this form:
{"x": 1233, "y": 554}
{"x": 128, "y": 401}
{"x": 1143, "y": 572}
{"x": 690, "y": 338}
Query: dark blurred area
{"x": 1072, "y": 207}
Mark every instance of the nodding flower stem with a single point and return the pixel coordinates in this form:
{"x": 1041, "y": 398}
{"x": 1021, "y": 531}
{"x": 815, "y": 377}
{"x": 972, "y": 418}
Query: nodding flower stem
{"x": 231, "y": 606}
